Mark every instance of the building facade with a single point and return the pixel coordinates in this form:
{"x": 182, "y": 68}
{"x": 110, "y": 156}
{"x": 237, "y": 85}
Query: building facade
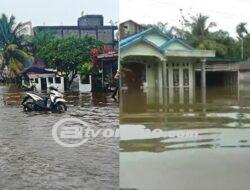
{"x": 129, "y": 28}
{"x": 162, "y": 67}
{"x": 92, "y": 25}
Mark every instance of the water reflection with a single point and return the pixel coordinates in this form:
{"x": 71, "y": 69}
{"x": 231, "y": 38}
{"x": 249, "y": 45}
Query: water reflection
{"x": 222, "y": 121}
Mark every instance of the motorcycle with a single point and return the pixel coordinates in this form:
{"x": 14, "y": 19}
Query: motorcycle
{"x": 54, "y": 103}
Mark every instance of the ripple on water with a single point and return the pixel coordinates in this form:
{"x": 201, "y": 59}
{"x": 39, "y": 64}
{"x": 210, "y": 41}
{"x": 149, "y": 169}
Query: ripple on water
{"x": 30, "y": 158}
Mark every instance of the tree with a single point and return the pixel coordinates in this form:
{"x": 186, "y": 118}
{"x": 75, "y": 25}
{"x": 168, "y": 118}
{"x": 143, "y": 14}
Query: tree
{"x": 39, "y": 41}
{"x": 13, "y": 45}
{"x": 241, "y": 31}
{"x": 196, "y": 30}
{"x": 199, "y": 28}
{"x": 66, "y": 54}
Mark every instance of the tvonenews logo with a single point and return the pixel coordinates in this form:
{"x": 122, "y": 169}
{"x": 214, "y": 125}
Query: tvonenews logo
{"x": 73, "y": 132}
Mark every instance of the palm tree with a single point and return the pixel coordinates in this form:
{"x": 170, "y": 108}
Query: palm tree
{"x": 241, "y": 30}
{"x": 199, "y": 28}
{"x": 12, "y": 45}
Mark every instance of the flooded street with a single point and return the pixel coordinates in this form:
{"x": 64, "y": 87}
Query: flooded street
{"x": 217, "y": 158}
{"x": 31, "y": 159}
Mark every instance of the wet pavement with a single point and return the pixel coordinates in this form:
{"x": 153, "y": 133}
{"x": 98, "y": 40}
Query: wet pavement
{"x": 31, "y": 159}
{"x": 216, "y": 158}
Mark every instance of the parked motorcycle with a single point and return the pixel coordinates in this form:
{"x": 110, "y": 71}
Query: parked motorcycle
{"x": 54, "y": 103}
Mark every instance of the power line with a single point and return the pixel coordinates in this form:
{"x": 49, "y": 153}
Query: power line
{"x": 223, "y": 14}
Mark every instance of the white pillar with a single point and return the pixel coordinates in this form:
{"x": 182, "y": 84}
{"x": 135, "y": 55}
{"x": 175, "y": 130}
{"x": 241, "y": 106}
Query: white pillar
{"x": 39, "y": 87}
{"x": 160, "y": 82}
{"x": 191, "y": 82}
{"x": 203, "y": 80}
{"x": 47, "y": 82}
{"x": 181, "y": 85}
{"x": 62, "y": 84}
{"x": 165, "y": 85}
{"x": 171, "y": 84}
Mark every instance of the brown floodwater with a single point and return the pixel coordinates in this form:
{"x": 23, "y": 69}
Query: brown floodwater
{"x": 31, "y": 159}
{"x": 216, "y": 156}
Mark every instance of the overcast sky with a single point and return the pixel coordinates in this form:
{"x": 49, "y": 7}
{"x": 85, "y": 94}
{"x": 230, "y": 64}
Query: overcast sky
{"x": 226, "y": 13}
{"x": 58, "y": 12}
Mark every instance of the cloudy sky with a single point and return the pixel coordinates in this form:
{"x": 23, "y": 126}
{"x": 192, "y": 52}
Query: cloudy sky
{"x": 58, "y": 12}
{"x": 226, "y": 13}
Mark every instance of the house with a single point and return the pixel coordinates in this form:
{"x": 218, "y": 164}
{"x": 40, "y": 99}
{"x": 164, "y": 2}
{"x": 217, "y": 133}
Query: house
{"x": 129, "y": 28}
{"x": 43, "y": 78}
{"x": 161, "y": 66}
{"x": 92, "y": 25}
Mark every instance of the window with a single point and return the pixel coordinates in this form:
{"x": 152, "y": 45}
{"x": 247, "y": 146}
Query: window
{"x": 185, "y": 77}
{"x": 176, "y": 77}
{"x": 58, "y": 80}
{"x": 36, "y": 80}
{"x": 50, "y": 80}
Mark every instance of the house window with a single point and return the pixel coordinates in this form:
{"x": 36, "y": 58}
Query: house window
{"x": 50, "y": 80}
{"x": 36, "y": 80}
{"x": 176, "y": 77}
{"x": 185, "y": 77}
{"x": 58, "y": 80}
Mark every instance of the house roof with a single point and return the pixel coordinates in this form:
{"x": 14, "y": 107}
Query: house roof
{"x": 176, "y": 40}
{"x": 131, "y": 21}
{"x": 141, "y": 37}
{"x": 164, "y": 44}
{"x": 36, "y": 69}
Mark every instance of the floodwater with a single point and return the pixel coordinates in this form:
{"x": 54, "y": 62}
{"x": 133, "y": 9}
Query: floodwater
{"x": 31, "y": 159}
{"x": 214, "y": 153}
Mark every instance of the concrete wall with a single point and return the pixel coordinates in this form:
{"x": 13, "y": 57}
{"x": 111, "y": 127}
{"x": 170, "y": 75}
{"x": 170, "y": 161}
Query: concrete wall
{"x": 244, "y": 81}
{"x": 71, "y": 32}
{"x": 90, "y": 21}
{"x": 85, "y": 87}
{"x": 105, "y": 35}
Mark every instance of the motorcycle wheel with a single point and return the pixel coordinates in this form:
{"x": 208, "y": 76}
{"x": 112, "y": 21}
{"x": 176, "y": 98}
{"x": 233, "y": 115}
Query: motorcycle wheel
{"x": 29, "y": 107}
{"x": 60, "y": 107}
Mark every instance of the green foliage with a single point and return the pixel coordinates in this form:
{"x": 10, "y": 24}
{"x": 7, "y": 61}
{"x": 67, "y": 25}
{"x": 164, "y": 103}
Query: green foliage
{"x": 40, "y": 40}
{"x": 10, "y": 32}
{"x": 163, "y": 27}
{"x": 66, "y": 54}
{"x": 241, "y": 29}
{"x": 13, "y": 45}
{"x": 198, "y": 34}
{"x": 84, "y": 70}
{"x": 246, "y": 46}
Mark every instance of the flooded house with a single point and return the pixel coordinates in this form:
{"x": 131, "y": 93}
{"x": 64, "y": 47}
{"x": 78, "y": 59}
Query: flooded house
{"x": 42, "y": 78}
{"x": 161, "y": 68}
